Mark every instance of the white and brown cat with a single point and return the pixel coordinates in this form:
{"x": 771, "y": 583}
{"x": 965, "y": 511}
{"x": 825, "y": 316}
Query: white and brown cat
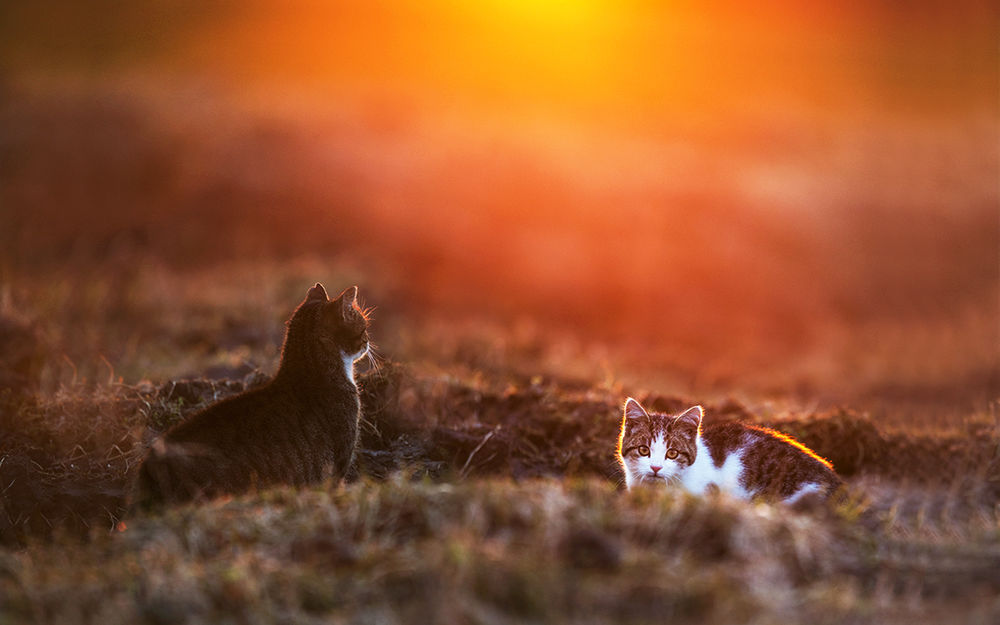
{"x": 742, "y": 460}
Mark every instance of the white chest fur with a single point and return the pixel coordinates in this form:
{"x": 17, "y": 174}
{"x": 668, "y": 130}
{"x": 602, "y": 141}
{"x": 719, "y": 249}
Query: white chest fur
{"x": 349, "y": 368}
{"x": 349, "y": 360}
{"x": 703, "y": 474}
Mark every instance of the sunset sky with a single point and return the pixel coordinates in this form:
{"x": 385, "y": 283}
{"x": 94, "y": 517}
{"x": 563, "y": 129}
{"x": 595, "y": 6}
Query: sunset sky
{"x": 627, "y": 61}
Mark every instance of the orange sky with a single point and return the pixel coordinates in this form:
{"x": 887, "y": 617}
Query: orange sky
{"x": 604, "y": 58}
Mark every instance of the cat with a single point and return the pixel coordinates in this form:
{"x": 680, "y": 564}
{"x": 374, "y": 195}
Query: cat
{"x": 744, "y": 461}
{"x": 300, "y": 428}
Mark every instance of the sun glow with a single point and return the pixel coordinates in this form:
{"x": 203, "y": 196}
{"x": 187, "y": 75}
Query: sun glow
{"x": 549, "y": 10}
{"x": 553, "y": 54}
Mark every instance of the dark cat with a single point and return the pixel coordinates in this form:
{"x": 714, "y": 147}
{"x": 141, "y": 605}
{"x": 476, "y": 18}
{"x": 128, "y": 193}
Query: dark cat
{"x": 302, "y": 427}
{"x": 743, "y": 460}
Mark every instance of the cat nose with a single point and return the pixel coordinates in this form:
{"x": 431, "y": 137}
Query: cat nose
{"x": 655, "y": 468}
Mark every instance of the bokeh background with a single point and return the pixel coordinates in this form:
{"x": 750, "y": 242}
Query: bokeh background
{"x": 763, "y": 200}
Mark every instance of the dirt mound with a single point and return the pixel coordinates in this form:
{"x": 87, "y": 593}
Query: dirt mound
{"x": 857, "y": 447}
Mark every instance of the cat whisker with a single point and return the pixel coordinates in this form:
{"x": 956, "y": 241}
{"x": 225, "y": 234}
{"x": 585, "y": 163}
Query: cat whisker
{"x": 374, "y": 359}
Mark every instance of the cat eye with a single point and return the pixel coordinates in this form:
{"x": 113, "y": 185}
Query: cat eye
{"x": 643, "y": 450}
{"x": 671, "y": 453}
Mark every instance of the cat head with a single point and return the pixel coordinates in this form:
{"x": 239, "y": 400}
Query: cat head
{"x": 657, "y": 448}
{"x": 342, "y": 325}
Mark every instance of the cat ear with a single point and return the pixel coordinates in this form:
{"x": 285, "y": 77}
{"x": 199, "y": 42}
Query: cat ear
{"x": 691, "y": 417}
{"x": 634, "y": 410}
{"x": 347, "y": 300}
{"x": 350, "y": 295}
{"x": 317, "y": 292}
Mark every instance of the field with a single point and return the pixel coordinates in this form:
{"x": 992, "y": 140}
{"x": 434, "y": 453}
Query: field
{"x": 812, "y": 248}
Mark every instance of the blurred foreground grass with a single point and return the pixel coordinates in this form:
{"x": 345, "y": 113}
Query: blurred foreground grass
{"x": 495, "y": 551}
